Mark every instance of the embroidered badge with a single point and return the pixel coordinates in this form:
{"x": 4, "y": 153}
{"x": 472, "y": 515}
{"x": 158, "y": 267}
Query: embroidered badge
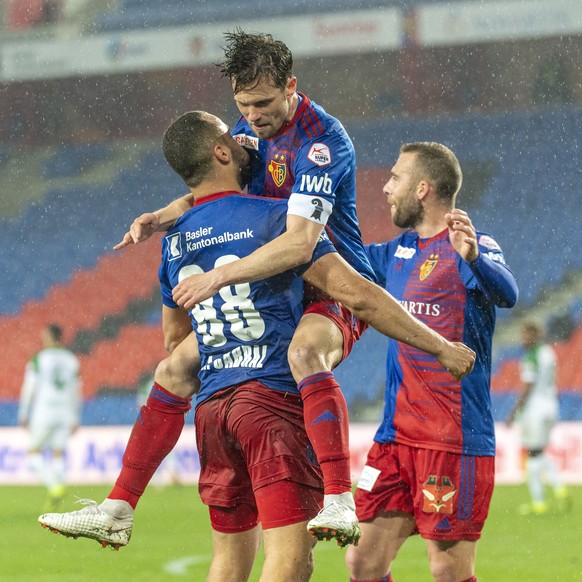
{"x": 438, "y": 498}
{"x": 278, "y": 169}
{"x": 428, "y": 266}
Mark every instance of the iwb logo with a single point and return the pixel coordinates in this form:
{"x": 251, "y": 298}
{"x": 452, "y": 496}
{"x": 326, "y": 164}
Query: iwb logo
{"x": 316, "y": 183}
{"x": 174, "y": 246}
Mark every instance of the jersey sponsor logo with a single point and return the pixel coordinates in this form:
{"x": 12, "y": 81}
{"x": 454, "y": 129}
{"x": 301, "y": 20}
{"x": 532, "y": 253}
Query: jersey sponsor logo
{"x": 174, "y": 246}
{"x": 488, "y": 243}
{"x": 247, "y": 141}
{"x": 195, "y": 245}
{"x": 421, "y": 308}
{"x": 278, "y": 169}
{"x": 316, "y": 183}
{"x": 404, "y": 252}
{"x": 317, "y": 210}
{"x": 438, "y": 498}
{"x": 319, "y": 154}
{"x": 194, "y": 234}
{"x": 427, "y": 267}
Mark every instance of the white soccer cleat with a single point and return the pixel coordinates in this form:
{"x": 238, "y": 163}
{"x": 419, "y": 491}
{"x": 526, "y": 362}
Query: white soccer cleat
{"x": 336, "y": 521}
{"x": 93, "y": 523}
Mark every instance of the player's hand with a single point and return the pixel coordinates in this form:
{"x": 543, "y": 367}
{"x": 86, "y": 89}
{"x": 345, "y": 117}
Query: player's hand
{"x": 462, "y": 234}
{"x": 195, "y": 289}
{"x": 458, "y": 359}
{"x": 141, "y": 229}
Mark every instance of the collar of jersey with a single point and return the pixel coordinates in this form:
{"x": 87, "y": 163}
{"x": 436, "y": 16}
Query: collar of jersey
{"x": 424, "y": 242}
{"x": 215, "y": 196}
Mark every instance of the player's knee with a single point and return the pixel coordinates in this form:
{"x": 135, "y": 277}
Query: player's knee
{"x": 305, "y": 358}
{"x": 177, "y": 375}
{"x": 364, "y": 565}
{"x": 443, "y": 568}
{"x": 297, "y": 567}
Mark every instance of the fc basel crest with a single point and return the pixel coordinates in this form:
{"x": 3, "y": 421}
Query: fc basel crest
{"x": 438, "y": 497}
{"x": 278, "y": 169}
{"x": 428, "y": 265}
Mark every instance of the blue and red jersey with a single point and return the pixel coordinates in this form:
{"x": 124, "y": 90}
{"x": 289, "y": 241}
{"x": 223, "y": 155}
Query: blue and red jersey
{"x": 245, "y": 330}
{"x": 425, "y": 406}
{"x": 311, "y": 161}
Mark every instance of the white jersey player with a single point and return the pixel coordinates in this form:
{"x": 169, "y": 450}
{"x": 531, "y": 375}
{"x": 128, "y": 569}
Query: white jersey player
{"x": 537, "y": 412}
{"x": 50, "y": 406}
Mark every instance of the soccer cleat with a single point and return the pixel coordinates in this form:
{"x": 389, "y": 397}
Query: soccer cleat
{"x": 335, "y": 521}
{"x": 563, "y": 499}
{"x": 91, "y": 522}
{"x": 534, "y": 508}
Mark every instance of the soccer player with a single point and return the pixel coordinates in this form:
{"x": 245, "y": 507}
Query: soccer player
{"x": 50, "y": 407}
{"x": 537, "y": 411}
{"x": 430, "y": 469}
{"x": 302, "y": 153}
{"x": 243, "y": 332}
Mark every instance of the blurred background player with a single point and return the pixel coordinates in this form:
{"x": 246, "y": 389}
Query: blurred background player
{"x": 537, "y": 412}
{"x": 431, "y": 467}
{"x": 50, "y": 408}
{"x": 302, "y": 153}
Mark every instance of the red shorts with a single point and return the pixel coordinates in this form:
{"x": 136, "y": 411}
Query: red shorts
{"x": 447, "y": 494}
{"x": 350, "y": 326}
{"x": 254, "y": 450}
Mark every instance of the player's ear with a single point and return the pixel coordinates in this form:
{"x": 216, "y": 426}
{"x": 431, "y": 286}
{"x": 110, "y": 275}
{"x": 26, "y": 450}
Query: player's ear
{"x": 291, "y": 87}
{"x": 222, "y": 153}
{"x": 422, "y": 189}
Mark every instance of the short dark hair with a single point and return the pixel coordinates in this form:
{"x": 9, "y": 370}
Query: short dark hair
{"x": 248, "y": 58}
{"x": 440, "y": 165}
{"x": 188, "y": 143}
{"x": 56, "y": 332}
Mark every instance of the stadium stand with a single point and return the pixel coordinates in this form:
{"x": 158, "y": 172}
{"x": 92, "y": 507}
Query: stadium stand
{"x": 523, "y": 161}
{"x": 139, "y": 14}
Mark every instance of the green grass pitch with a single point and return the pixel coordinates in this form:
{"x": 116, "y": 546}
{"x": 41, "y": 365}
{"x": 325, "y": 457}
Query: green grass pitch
{"x": 172, "y": 541}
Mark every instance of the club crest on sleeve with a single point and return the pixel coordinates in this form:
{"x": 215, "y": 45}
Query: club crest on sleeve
{"x": 278, "y": 169}
{"x": 319, "y": 154}
{"x": 428, "y": 265}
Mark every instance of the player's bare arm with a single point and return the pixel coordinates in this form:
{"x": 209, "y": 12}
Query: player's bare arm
{"x": 374, "y": 305}
{"x": 144, "y": 226}
{"x": 292, "y": 248}
{"x": 176, "y": 326}
{"x": 462, "y": 234}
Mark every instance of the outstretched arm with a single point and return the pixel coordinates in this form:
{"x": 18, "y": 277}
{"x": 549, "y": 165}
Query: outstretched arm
{"x": 374, "y": 305}
{"x": 289, "y": 250}
{"x": 150, "y": 222}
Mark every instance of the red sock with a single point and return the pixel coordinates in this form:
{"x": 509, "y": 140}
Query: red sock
{"x": 471, "y": 579}
{"x": 155, "y": 433}
{"x": 326, "y": 420}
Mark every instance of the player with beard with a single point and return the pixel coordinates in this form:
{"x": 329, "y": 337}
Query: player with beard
{"x": 431, "y": 467}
